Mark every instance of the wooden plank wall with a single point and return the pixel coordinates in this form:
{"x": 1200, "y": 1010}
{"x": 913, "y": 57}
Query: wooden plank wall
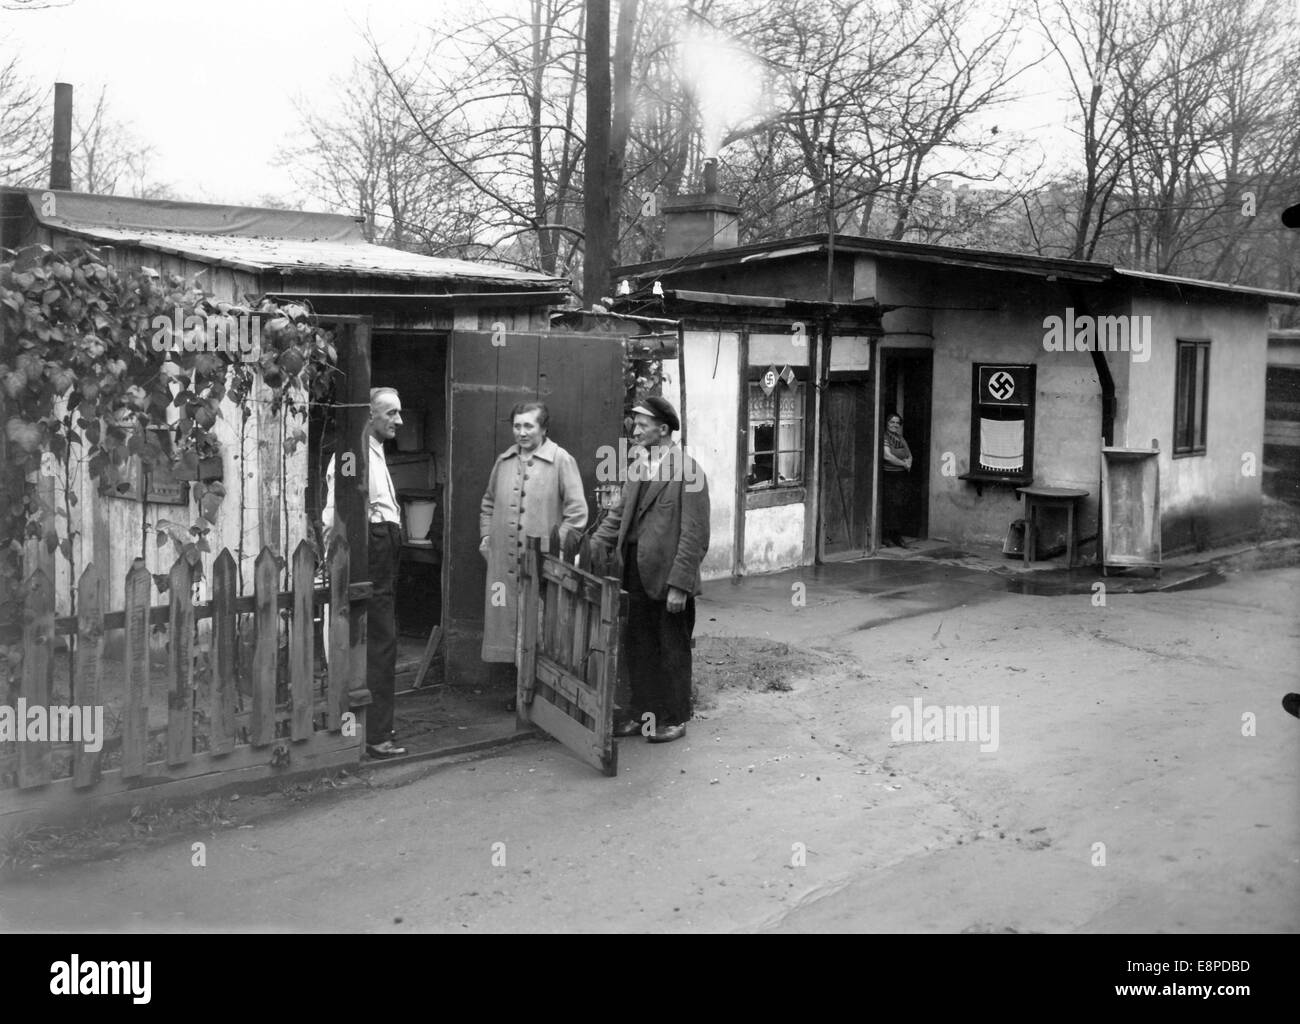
{"x": 258, "y": 475}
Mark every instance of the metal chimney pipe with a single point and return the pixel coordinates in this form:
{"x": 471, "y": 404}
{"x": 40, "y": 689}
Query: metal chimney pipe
{"x": 711, "y": 175}
{"x": 61, "y": 154}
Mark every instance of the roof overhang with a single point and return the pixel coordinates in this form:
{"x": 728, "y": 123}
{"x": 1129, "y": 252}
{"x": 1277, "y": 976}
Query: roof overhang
{"x": 1044, "y": 267}
{"x": 415, "y": 302}
{"x": 1243, "y": 291}
{"x": 257, "y": 241}
{"x": 686, "y": 304}
{"x": 942, "y": 255}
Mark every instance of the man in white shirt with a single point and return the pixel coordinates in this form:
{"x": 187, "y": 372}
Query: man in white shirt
{"x": 383, "y": 548}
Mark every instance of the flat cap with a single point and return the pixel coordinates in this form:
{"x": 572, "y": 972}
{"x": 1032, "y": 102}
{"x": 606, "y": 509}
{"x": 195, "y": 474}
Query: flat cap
{"x": 660, "y": 409}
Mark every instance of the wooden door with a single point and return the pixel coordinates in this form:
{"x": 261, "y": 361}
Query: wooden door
{"x": 580, "y": 378}
{"x": 846, "y": 445}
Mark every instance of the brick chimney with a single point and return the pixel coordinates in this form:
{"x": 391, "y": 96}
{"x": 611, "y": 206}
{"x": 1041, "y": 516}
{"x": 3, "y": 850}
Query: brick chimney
{"x": 61, "y": 151}
{"x": 701, "y": 222}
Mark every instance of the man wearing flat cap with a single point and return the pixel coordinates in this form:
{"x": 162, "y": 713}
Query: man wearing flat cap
{"x": 660, "y": 532}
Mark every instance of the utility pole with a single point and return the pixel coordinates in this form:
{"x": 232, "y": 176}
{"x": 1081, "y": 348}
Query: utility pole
{"x": 598, "y": 247}
{"x": 828, "y": 157}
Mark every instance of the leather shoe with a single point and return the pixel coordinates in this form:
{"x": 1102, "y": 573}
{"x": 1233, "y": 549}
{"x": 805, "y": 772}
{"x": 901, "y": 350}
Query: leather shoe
{"x": 382, "y": 751}
{"x": 627, "y": 727}
{"x": 667, "y": 733}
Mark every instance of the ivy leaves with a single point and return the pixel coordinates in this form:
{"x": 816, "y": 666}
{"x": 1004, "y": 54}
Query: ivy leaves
{"x": 98, "y": 363}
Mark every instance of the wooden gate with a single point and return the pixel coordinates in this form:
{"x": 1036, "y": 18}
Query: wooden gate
{"x": 239, "y": 693}
{"x": 569, "y": 650}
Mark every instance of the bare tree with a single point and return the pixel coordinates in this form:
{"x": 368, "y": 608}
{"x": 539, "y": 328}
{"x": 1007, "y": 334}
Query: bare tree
{"x": 1210, "y": 115}
{"x": 1186, "y": 112}
{"x": 368, "y": 158}
{"x": 108, "y": 158}
{"x": 512, "y": 130}
{"x": 23, "y": 126}
{"x": 1093, "y": 43}
{"x": 900, "y": 92}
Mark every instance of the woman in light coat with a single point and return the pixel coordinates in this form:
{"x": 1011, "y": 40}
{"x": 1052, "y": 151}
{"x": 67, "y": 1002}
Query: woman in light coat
{"x": 535, "y": 486}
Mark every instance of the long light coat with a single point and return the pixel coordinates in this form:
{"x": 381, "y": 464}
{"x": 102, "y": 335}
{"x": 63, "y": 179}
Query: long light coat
{"x": 523, "y": 502}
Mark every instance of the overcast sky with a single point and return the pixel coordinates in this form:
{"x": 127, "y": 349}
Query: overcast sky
{"x": 210, "y": 86}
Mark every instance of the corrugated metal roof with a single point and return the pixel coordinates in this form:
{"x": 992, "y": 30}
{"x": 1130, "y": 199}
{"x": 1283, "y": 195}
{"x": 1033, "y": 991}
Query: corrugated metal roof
{"x": 847, "y": 245}
{"x": 1041, "y": 266}
{"x": 261, "y": 241}
{"x": 1272, "y": 294}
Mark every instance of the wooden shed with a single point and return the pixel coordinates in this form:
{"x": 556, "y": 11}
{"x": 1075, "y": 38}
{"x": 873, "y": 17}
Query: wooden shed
{"x": 462, "y": 342}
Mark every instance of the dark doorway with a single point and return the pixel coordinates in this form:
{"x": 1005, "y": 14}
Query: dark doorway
{"x": 848, "y": 431}
{"x": 906, "y": 380}
{"x": 415, "y": 363}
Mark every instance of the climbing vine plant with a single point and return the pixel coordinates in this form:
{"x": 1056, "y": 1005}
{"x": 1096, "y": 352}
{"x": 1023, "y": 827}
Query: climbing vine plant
{"x": 100, "y": 366}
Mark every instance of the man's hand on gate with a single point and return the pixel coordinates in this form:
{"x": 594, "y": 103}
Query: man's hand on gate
{"x": 676, "y": 599}
{"x": 483, "y": 546}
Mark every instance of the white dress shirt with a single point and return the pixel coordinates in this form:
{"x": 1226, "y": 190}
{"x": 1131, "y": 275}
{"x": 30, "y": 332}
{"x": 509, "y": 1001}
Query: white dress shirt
{"x": 384, "y": 507}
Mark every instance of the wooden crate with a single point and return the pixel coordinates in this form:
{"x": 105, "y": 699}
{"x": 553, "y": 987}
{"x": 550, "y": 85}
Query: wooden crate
{"x": 1130, "y": 508}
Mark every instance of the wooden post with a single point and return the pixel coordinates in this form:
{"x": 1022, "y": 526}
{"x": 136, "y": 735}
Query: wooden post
{"x": 340, "y": 652}
{"x": 598, "y": 246}
{"x": 530, "y": 579}
{"x": 90, "y": 668}
{"x": 352, "y": 458}
{"x": 302, "y": 653}
{"x": 38, "y": 671}
{"x": 261, "y": 722}
{"x": 352, "y": 492}
{"x": 613, "y": 610}
{"x": 135, "y": 713}
{"x": 180, "y": 696}
{"x": 221, "y": 705}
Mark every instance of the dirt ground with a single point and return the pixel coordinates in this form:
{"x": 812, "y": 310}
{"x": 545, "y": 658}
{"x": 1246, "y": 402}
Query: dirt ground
{"x": 1145, "y": 779}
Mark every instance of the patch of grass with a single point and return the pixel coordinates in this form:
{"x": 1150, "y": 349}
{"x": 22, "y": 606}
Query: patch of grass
{"x": 300, "y": 791}
{"x": 731, "y": 663}
{"x": 45, "y": 846}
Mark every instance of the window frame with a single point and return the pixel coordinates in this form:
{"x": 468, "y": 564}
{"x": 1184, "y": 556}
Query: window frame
{"x": 978, "y": 473}
{"x": 1199, "y": 442}
{"x": 773, "y": 493}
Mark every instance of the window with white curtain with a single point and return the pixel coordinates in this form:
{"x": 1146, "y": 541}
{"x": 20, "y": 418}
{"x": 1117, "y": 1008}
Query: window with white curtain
{"x": 776, "y": 435}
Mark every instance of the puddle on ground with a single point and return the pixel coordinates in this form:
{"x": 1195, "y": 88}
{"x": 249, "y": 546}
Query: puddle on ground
{"x": 1210, "y": 579}
{"x": 1045, "y": 588}
{"x": 1076, "y": 584}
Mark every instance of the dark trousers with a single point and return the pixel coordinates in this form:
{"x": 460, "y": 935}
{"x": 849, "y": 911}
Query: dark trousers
{"x": 656, "y": 650}
{"x": 381, "y": 630}
{"x": 893, "y": 504}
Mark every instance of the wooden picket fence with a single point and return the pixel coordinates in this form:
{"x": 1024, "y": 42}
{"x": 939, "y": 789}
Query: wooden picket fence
{"x": 288, "y": 722}
{"x": 569, "y": 652}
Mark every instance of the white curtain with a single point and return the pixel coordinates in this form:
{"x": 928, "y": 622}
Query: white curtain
{"x": 1002, "y": 444}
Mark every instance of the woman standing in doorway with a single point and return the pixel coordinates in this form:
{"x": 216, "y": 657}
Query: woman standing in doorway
{"x": 898, "y": 463}
{"x": 534, "y": 487}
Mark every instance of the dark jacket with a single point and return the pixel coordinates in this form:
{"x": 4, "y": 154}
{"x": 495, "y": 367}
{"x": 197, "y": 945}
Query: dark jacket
{"x": 672, "y": 517}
